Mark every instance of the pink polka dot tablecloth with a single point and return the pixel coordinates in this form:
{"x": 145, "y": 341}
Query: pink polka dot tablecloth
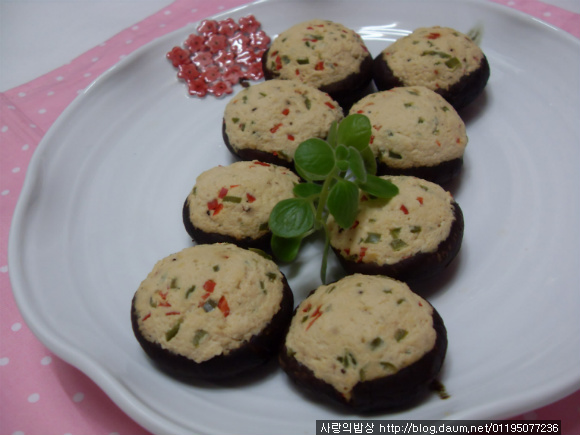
{"x": 39, "y": 393}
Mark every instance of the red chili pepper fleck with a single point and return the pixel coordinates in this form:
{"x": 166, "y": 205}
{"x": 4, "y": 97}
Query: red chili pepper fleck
{"x": 329, "y": 104}
{"x": 290, "y": 137}
{"x": 420, "y": 199}
{"x": 438, "y": 143}
{"x": 319, "y": 66}
{"x": 218, "y": 209}
{"x": 163, "y": 304}
{"x": 275, "y": 128}
{"x": 146, "y": 317}
{"x": 262, "y": 163}
{"x": 297, "y": 72}
{"x": 209, "y": 285}
{"x": 420, "y": 304}
{"x": 251, "y": 198}
{"x": 212, "y": 205}
{"x": 278, "y": 62}
{"x": 360, "y": 111}
{"x": 404, "y": 209}
{"x": 223, "y": 192}
{"x": 307, "y": 308}
{"x": 172, "y": 313}
{"x": 223, "y": 306}
{"x": 354, "y": 225}
{"x": 315, "y": 316}
{"x": 372, "y": 140}
{"x": 363, "y": 252}
{"x": 433, "y": 35}
{"x": 286, "y": 111}
{"x": 347, "y": 251}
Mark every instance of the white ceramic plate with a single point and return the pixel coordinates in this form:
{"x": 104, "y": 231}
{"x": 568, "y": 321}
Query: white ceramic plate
{"x": 102, "y": 203}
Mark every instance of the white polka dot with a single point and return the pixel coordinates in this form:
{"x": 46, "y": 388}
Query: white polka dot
{"x": 33, "y": 398}
{"x": 547, "y": 14}
{"x": 46, "y": 360}
{"x": 87, "y": 74}
{"x": 59, "y": 78}
{"x": 22, "y": 94}
{"x": 167, "y": 12}
{"x": 162, "y": 25}
{"x": 11, "y": 107}
{"x": 32, "y": 125}
{"x": 4, "y": 361}
{"x": 193, "y": 11}
{"x": 15, "y": 170}
{"x": 4, "y": 268}
{"x": 4, "y": 128}
{"x": 42, "y": 111}
{"x": 135, "y": 28}
{"x": 25, "y": 147}
{"x": 50, "y": 93}
{"x": 94, "y": 59}
{"x": 17, "y": 327}
{"x": 511, "y": 3}
{"x": 221, "y": 7}
{"x": 5, "y": 192}
{"x": 78, "y": 397}
{"x": 18, "y": 432}
{"x": 129, "y": 41}
{"x": 114, "y": 433}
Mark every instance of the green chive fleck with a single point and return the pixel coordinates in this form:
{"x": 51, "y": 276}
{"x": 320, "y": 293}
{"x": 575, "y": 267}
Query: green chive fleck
{"x": 376, "y": 343}
{"x": 400, "y": 334}
{"x": 373, "y": 238}
{"x": 199, "y": 335}
{"x": 173, "y": 331}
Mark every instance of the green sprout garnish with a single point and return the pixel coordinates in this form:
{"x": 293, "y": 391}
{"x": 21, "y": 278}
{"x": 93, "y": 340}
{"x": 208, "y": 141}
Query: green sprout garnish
{"x": 336, "y": 170}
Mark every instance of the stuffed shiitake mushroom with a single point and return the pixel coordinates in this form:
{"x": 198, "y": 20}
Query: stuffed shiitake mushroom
{"x": 413, "y": 236}
{"x": 415, "y": 132}
{"x": 212, "y": 312}
{"x": 367, "y": 342}
{"x": 323, "y": 54}
{"x": 268, "y": 121}
{"x": 439, "y": 58}
{"x": 233, "y": 203}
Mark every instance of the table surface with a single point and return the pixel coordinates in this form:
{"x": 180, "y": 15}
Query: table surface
{"x": 40, "y": 36}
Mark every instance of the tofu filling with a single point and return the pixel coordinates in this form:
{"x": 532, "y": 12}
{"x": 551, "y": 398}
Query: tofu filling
{"x": 360, "y": 328}
{"x": 208, "y": 300}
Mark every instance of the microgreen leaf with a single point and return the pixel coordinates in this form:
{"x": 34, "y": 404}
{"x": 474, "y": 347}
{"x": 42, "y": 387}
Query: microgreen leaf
{"x": 357, "y": 164}
{"x": 332, "y": 134}
{"x": 284, "y": 248}
{"x": 341, "y": 152}
{"x": 379, "y": 187}
{"x": 343, "y": 202}
{"x": 355, "y": 130}
{"x": 307, "y": 190}
{"x": 292, "y": 217}
{"x": 370, "y": 160}
{"x": 314, "y": 159}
